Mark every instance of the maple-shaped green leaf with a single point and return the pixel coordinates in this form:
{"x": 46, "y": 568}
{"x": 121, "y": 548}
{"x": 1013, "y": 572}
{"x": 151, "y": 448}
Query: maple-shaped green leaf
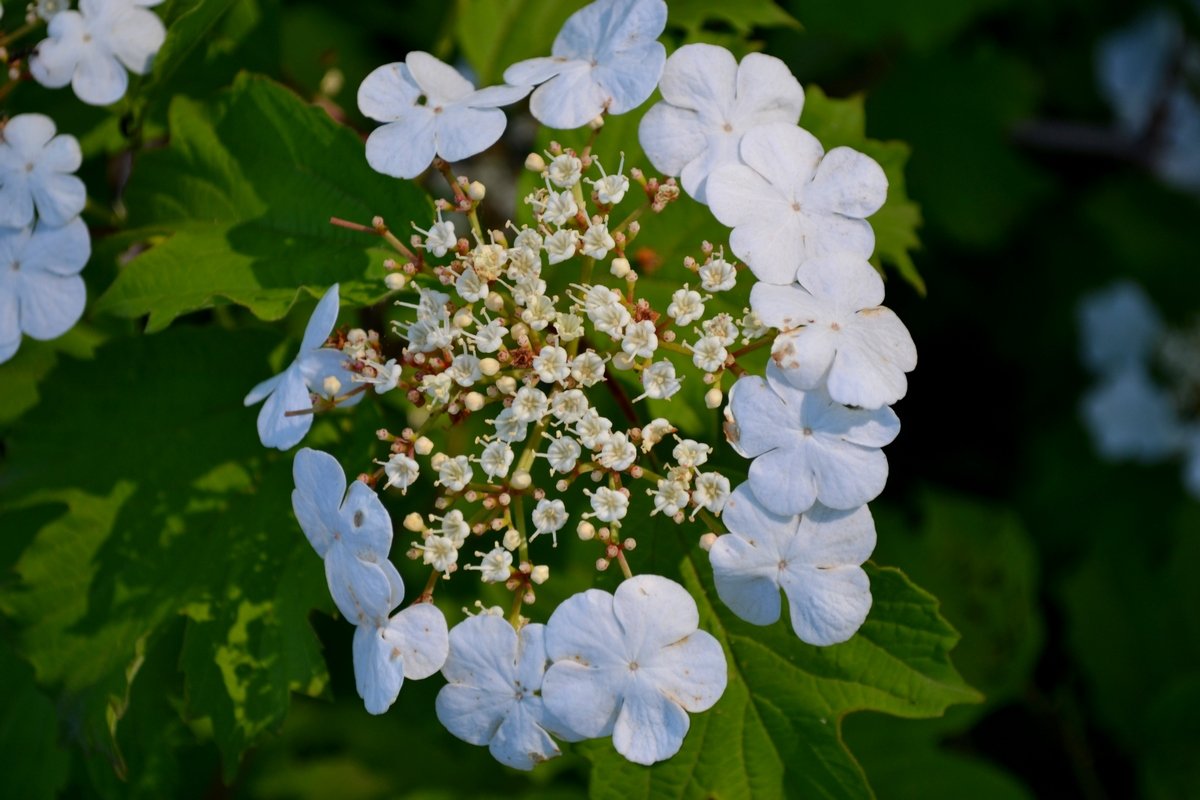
{"x": 519, "y": 29}
{"x": 237, "y": 209}
{"x": 776, "y": 732}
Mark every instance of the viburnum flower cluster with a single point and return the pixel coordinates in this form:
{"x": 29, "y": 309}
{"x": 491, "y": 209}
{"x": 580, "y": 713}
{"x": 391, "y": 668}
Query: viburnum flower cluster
{"x": 1145, "y": 405}
{"x": 44, "y": 243}
{"x": 535, "y": 371}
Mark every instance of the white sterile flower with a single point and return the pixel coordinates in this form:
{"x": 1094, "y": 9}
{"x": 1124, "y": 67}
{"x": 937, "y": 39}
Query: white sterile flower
{"x": 549, "y": 517}
{"x": 568, "y": 326}
{"x": 632, "y": 664}
{"x": 563, "y": 454}
{"x": 690, "y": 453}
{"x": 1119, "y": 327}
{"x": 36, "y": 169}
{"x": 605, "y": 59}
{"x": 670, "y": 498}
{"x": 41, "y": 292}
{"x": 496, "y": 566}
{"x": 560, "y": 208}
{"x": 794, "y": 202}
{"x": 608, "y": 505}
{"x": 611, "y": 319}
{"x": 552, "y": 364}
{"x": 640, "y": 340}
{"x": 401, "y": 471}
{"x": 710, "y": 491}
{"x": 687, "y": 305}
{"x": 493, "y": 694}
{"x": 597, "y": 241}
{"x": 289, "y": 390}
{"x": 352, "y": 531}
{"x": 709, "y": 102}
{"x": 588, "y": 368}
{"x": 564, "y": 171}
{"x": 455, "y": 473}
{"x": 617, "y": 453}
{"x": 412, "y": 644}
{"x": 659, "y": 380}
{"x": 530, "y": 404}
{"x": 454, "y": 122}
{"x": 455, "y": 528}
{"x": 496, "y": 458}
{"x": 718, "y": 275}
{"x": 560, "y": 245}
{"x": 834, "y": 330}
{"x": 509, "y": 428}
{"x": 464, "y": 369}
{"x": 1130, "y": 417}
{"x": 723, "y": 327}
{"x": 490, "y": 337}
{"x": 440, "y": 238}
{"x": 539, "y": 312}
{"x": 569, "y": 407}
{"x": 470, "y": 286}
{"x": 91, "y": 48}
{"x": 654, "y": 432}
{"x": 592, "y": 429}
{"x": 610, "y": 189}
{"x": 814, "y": 558}
{"x": 709, "y": 354}
{"x": 806, "y": 446}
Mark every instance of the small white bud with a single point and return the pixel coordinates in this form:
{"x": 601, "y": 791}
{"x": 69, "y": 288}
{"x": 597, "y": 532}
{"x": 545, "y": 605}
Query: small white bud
{"x": 395, "y": 281}
{"x": 512, "y": 539}
{"x": 474, "y": 401}
{"x": 507, "y": 384}
{"x": 619, "y": 267}
{"x": 535, "y": 163}
{"x": 463, "y": 319}
{"x": 713, "y": 397}
{"x": 585, "y": 530}
{"x": 331, "y": 386}
{"x": 414, "y": 522}
{"x": 596, "y": 122}
{"x": 521, "y": 480}
{"x": 489, "y": 366}
{"x": 539, "y": 574}
{"x": 707, "y": 540}
{"x": 423, "y": 446}
{"x": 493, "y": 302}
{"x": 476, "y": 191}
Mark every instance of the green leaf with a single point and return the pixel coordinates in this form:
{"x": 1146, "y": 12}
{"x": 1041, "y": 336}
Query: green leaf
{"x": 743, "y": 17}
{"x": 777, "y": 730}
{"x": 238, "y": 209}
{"x": 188, "y": 26}
{"x": 23, "y": 373}
{"x": 33, "y": 759}
{"x": 840, "y": 123}
{"x": 515, "y": 30}
{"x": 167, "y": 511}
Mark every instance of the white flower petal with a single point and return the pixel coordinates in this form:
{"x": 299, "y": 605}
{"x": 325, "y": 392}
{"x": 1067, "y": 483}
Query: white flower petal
{"x": 691, "y": 671}
{"x": 440, "y": 83}
{"x": 320, "y": 486}
{"x": 99, "y": 79}
{"x": 582, "y": 699}
{"x": 654, "y": 612}
{"x": 366, "y": 526}
{"x": 569, "y": 100}
{"x": 844, "y": 281}
{"x": 848, "y": 182}
{"x": 1131, "y": 417}
{"x": 404, "y": 148}
{"x": 472, "y": 712}
{"x": 275, "y": 428}
{"x": 262, "y": 390}
{"x": 701, "y": 77}
{"x": 520, "y": 741}
{"x": 584, "y": 629}
{"x": 786, "y": 154}
{"x": 784, "y": 481}
{"x": 59, "y": 198}
{"x": 10, "y": 328}
{"x": 138, "y": 38}
{"x": 388, "y": 92}
{"x": 50, "y": 304}
{"x": 60, "y": 251}
{"x": 828, "y": 537}
{"x": 756, "y": 408}
{"x": 767, "y": 91}
{"x": 16, "y": 203}
{"x": 494, "y": 96}
{"x": 323, "y": 318}
{"x": 54, "y": 60}
{"x": 650, "y": 727}
{"x": 378, "y": 671}
{"x": 463, "y": 132}
{"x": 606, "y": 26}
{"x": 630, "y": 77}
{"x": 362, "y": 590}
{"x": 869, "y": 368}
{"x": 483, "y": 651}
{"x": 671, "y": 137}
{"x": 827, "y": 606}
{"x": 747, "y": 578}
{"x": 847, "y": 475}
{"x": 28, "y": 135}
{"x": 419, "y": 634}
{"x": 1119, "y": 327}
{"x": 533, "y": 71}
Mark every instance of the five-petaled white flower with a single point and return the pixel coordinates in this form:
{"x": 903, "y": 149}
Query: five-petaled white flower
{"x": 455, "y": 121}
{"x": 834, "y": 329}
{"x": 709, "y": 102}
{"x": 791, "y": 201}
{"x": 41, "y": 292}
{"x": 632, "y": 664}
{"x": 806, "y": 446}
{"x": 36, "y": 172}
{"x": 412, "y": 644}
{"x": 494, "y": 694}
{"x": 289, "y": 390}
{"x": 815, "y": 559}
{"x": 352, "y": 532}
{"x": 92, "y": 47}
{"x": 606, "y": 58}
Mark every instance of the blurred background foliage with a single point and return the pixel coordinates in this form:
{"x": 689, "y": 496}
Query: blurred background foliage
{"x": 1067, "y": 577}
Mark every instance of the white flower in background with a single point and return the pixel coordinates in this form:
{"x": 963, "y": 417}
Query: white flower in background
{"x": 411, "y": 644}
{"x": 36, "y": 172}
{"x": 632, "y": 664}
{"x": 606, "y": 58}
{"x": 455, "y": 473}
{"x": 834, "y": 329}
{"x": 401, "y": 471}
{"x": 709, "y": 102}
{"x": 91, "y": 48}
{"x": 815, "y": 559}
{"x": 1131, "y": 417}
{"x": 806, "y": 446}
{"x": 289, "y": 390}
{"x": 1191, "y": 464}
{"x": 352, "y": 531}
{"x": 494, "y": 692}
{"x": 41, "y": 292}
{"x": 549, "y": 517}
{"x": 791, "y": 201}
{"x": 47, "y": 9}
{"x": 496, "y": 566}
{"x": 455, "y": 120}
{"x": 1119, "y": 328}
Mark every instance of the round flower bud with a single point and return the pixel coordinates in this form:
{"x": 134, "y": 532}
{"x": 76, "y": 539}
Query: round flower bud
{"x": 512, "y": 539}
{"x": 539, "y": 574}
{"x": 489, "y": 366}
{"x": 622, "y": 360}
{"x": 438, "y": 459}
{"x": 476, "y": 191}
{"x": 596, "y": 122}
{"x": 713, "y": 397}
{"x": 521, "y": 480}
{"x": 619, "y": 267}
{"x": 585, "y": 530}
{"x": 474, "y": 401}
{"x": 707, "y": 541}
{"x": 493, "y": 302}
{"x": 463, "y": 319}
{"x": 601, "y": 564}
{"x": 395, "y": 281}
{"x": 414, "y": 522}
{"x": 507, "y": 384}
{"x": 535, "y": 163}
{"x": 423, "y": 446}
{"x": 331, "y": 385}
